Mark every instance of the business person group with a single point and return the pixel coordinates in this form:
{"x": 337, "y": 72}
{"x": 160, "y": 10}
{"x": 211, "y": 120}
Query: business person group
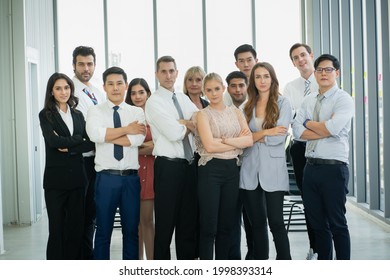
{"x": 198, "y": 165}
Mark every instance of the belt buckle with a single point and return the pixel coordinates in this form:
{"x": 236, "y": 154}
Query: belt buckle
{"x": 122, "y": 172}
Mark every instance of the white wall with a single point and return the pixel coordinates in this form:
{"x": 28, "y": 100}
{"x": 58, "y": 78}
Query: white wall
{"x": 22, "y": 157}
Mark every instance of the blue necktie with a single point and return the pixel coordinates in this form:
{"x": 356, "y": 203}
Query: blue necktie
{"x": 118, "y": 150}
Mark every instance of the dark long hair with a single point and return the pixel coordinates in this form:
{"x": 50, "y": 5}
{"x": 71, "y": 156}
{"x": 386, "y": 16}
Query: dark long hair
{"x": 272, "y": 109}
{"x": 134, "y": 82}
{"x": 50, "y": 102}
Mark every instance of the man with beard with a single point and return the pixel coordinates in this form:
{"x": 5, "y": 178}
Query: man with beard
{"x": 84, "y": 62}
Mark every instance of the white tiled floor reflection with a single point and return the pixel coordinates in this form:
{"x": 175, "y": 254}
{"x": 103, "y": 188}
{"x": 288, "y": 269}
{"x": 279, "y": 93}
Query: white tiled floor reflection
{"x": 370, "y": 240}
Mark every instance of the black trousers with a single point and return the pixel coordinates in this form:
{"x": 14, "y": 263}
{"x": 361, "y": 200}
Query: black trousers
{"x": 260, "y": 206}
{"x": 65, "y": 210}
{"x": 218, "y": 205}
{"x": 176, "y": 209}
{"x": 297, "y": 152}
{"x": 326, "y": 188}
{"x": 90, "y": 208}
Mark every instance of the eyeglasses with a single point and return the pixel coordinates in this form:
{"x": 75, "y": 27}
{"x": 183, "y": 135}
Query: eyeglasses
{"x": 326, "y": 69}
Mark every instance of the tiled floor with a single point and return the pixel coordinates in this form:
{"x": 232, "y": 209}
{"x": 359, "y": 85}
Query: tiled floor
{"x": 370, "y": 240}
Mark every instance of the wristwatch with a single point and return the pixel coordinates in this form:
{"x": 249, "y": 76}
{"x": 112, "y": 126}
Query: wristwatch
{"x": 305, "y": 122}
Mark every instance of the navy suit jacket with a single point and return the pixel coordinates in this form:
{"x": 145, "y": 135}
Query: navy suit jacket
{"x": 64, "y": 170}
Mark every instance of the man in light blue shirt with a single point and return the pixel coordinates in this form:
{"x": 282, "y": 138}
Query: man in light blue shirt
{"x": 324, "y": 120}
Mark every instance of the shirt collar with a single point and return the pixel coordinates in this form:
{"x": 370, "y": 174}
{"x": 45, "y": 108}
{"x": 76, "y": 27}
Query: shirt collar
{"x": 79, "y": 84}
{"x": 62, "y": 112}
{"x": 166, "y": 92}
{"x": 112, "y": 105}
{"x": 329, "y": 92}
{"x": 311, "y": 78}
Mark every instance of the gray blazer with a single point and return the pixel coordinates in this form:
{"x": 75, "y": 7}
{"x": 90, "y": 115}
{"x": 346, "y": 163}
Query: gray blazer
{"x": 265, "y": 163}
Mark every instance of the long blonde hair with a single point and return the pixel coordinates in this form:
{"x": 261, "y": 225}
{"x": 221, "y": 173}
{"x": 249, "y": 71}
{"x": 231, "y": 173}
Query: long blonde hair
{"x": 272, "y": 109}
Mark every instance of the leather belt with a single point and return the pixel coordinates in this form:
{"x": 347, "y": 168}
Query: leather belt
{"x": 299, "y": 142}
{"x": 314, "y": 161}
{"x": 182, "y": 160}
{"x": 126, "y": 172}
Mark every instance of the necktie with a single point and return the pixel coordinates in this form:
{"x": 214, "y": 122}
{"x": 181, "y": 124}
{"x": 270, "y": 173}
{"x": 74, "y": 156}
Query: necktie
{"x": 91, "y": 96}
{"x": 118, "y": 150}
{"x": 188, "y": 154}
{"x": 307, "y": 87}
{"x": 316, "y": 117}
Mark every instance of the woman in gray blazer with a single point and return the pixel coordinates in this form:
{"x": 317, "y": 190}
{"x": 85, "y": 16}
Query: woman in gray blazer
{"x": 263, "y": 175}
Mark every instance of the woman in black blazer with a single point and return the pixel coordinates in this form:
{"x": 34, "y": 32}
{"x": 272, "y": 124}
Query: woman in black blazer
{"x": 64, "y": 181}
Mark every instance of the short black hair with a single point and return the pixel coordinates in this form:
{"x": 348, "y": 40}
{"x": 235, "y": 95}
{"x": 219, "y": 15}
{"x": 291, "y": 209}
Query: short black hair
{"x": 83, "y": 51}
{"x": 245, "y": 48}
{"x": 335, "y": 61}
{"x": 114, "y": 70}
{"x": 236, "y": 75}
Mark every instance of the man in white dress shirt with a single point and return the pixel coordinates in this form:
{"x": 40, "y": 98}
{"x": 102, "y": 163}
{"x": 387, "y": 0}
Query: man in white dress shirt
{"x": 302, "y": 58}
{"x": 246, "y": 58}
{"x": 84, "y": 62}
{"x": 174, "y": 171}
{"x": 117, "y": 130}
{"x": 237, "y": 85}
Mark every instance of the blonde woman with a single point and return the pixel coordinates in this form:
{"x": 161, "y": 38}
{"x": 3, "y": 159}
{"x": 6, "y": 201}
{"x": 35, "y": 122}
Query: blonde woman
{"x": 222, "y": 133}
{"x": 193, "y": 86}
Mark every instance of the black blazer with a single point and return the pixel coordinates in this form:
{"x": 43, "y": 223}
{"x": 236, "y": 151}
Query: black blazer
{"x": 64, "y": 170}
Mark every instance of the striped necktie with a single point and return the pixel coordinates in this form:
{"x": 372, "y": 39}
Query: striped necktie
{"x": 307, "y": 87}
{"x": 91, "y": 96}
{"x": 311, "y": 145}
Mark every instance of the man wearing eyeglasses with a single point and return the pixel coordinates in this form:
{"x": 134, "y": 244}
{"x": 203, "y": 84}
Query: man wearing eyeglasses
{"x": 324, "y": 120}
{"x": 302, "y": 58}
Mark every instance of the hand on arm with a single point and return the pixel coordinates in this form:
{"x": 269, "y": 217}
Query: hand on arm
{"x": 189, "y": 124}
{"x": 211, "y": 144}
{"x": 275, "y": 131}
{"x": 122, "y": 141}
{"x": 118, "y": 135}
{"x": 318, "y": 128}
{"x": 243, "y": 140}
{"x": 146, "y": 148}
{"x": 136, "y": 128}
{"x": 62, "y": 150}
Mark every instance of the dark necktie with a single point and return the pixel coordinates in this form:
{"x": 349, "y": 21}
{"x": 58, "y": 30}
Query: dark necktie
{"x": 118, "y": 150}
{"x": 188, "y": 154}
